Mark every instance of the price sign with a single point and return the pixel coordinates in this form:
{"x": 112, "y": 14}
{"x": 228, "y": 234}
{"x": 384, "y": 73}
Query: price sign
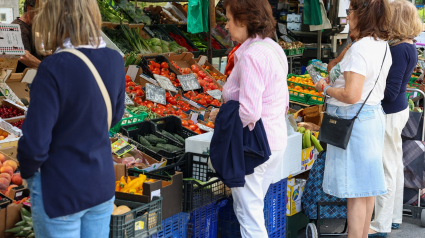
{"x": 188, "y": 82}
{"x": 121, "y": 147}
{"x": 128, "y": 100}
{"x": 204, "y": 128}
{"x": 215, "y": 94}
{"x": 149, "y": 79}
{"x": 165, "y": 83}
{"x": 132, "y": 71}
{"x": 155, "y": 94}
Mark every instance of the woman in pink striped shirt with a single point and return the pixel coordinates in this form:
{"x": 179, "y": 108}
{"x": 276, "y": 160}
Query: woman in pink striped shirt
{"x": 258, "y": 82}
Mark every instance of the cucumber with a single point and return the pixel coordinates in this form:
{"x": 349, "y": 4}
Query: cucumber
{"x": 316, "y": 143}
{"x": 168, "y": 147}
{"x": 155, "y": 140}
{"x": 168, "y": 134}
{"x": 143, "y": 141}
{"x": 307, "y": 135}
{"x": 179, "y": 138}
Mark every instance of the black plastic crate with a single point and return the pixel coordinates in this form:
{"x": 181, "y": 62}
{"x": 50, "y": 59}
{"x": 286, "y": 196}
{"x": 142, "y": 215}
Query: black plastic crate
{"x": 145, "y": 128}
{"x": 165, "y": 171}
{"x": 158, "y": 59}
{"x": 142, "y": 221}
{"x": 4, "y": 201}
{"x": 195, "y": 195}
{"x": 216, "y": 53}
{"x": 173, "y": 29}
{"x": 171, "y": 124}
{"x": 155, "y": 31}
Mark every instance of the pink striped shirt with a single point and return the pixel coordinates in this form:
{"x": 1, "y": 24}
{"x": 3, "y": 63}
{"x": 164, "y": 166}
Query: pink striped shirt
{"x": 258, "y": 82}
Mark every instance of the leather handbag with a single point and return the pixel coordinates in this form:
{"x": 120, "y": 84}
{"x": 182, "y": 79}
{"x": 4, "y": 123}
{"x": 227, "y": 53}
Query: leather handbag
{"x": 99, "y": 81}
{"x": 337, "y": 131}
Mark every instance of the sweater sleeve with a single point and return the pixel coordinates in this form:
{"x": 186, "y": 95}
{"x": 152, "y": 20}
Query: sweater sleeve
{"x": 38, "y": 126}
{"x": 396, "y": 74}
{"x": 119, "y": 109}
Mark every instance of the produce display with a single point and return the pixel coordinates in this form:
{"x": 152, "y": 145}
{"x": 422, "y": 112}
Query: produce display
{"x": 134, "y": 186}
{"x": 156, "y": 144}
{"x": 214, "y": 75}
{"x": 23, "y": 228}
{"x": 301, "y": 89}
{"x": 131, "y": 59}
{"x": 202, "y": 99}
{"x": 9, "y": 112}
{"x": 309, "y": 139}
{"x": 181, "y": 41}
{"x": 18, "y": 124}
{"x": 132, "y": 14}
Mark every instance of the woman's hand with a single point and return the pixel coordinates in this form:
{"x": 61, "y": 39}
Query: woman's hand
{"x": 213, "y": 115}
{"x": 320, "y": 85}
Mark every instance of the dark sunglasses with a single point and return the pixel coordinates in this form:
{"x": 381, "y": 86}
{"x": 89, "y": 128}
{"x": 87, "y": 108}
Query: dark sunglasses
{"x": 348, "y": 11}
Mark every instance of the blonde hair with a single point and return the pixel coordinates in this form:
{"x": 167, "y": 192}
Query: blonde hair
{"x": 405, "y": 21}
{"x": 56, "y": 20}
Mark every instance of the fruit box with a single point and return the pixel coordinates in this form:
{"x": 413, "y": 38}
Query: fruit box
{"x": 308, "y": 156}
{"x": 16, "y": 84}
{"x": 10, "y": 103}
{"x": 9, "y": 216}
{"x": 19, "y": 193}
{"x": 168, "y": 188}
{"x": 294, "y": 193}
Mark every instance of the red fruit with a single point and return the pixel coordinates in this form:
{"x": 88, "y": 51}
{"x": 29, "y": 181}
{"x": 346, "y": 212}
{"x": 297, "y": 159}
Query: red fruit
{"x": 4, "y": 183}
{"x": 17, "y": 179}
{"x": 194, "y": 68}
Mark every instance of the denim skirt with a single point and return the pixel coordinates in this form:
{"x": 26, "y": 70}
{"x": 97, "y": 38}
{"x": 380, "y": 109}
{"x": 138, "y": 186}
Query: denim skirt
{"x": 358, "y": 170}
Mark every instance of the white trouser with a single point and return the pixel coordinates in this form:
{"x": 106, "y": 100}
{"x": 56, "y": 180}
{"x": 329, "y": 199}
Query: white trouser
{"x": 248, "y": 201}
{"x": 389, "y": 207}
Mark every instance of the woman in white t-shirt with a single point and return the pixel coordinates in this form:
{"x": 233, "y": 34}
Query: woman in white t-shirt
{"x": 357, "y": 173}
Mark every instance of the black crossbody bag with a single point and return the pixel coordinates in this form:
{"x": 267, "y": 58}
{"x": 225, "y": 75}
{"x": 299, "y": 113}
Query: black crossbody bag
{"x": 337, "y": 131}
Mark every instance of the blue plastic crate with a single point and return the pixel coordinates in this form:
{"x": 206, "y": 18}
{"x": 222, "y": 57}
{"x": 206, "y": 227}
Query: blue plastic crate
{"x": 274, "y": 214}
{"x": 174, "y": 227}
{"x": 203, "y": 221}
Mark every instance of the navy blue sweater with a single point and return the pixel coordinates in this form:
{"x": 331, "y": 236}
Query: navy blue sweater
{"x": 405, "y": 59}
{"x": 236, "y": 151}
{"x": 66, "y": 130}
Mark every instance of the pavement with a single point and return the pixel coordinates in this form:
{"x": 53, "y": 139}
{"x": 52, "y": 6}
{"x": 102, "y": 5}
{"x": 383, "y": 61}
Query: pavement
{"x": 411, "y": 228}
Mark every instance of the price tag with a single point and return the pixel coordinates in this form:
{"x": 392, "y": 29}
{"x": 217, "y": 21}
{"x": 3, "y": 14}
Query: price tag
{"x": 204, "y": 127}
{"x": 188, "y": 82}
{"x": 155, "y": 94}
{"x": 202, "y": 60}
{"x": 194, "y": 117}
{"x": 128, "y": 100}
{"x": 165, "y": 83}
{"x": 215, "y": 94}
{"x": 149, "y": 79}
{"x": 121, "y": 147}
{"x": 132, "y": 71}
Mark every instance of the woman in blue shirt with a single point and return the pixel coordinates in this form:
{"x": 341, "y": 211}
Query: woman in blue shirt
{"x": 406, "y": 25}
{"x": 65, "y": 153}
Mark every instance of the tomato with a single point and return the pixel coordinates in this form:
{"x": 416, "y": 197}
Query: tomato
{"x": 138, "y": 87}
{"x": 149, "y": 105}
{"x": 202, "y": 74}
{"x": 173, "y": 75}
{"x": 210, "y": 124}
{"x": 132, "y": 84}
{"x": 207, "y": 67}
{"x": 202, "y": 102}
{"x": 190, "y": 122}
{"x": 172, "y": 100}
{"x": 192, "y": 127}
{"x": 165, "y": 74}
{"x": 186, "y": 108}
{"x": 165, "y": 70}
{"x": 164, "y": 65}
{"x": 139, "y": 92}
{"x": 198, "y": 131}
{"x": 186, "y": 71}
{"x": 209, "y": 99}
{"x": 151, "y": 67}
{"x": 127, "y": 78}
{"x": 156, "y": 71}
{"x": 158, "y": 66}
{"x": 151, "y": 62}
{"x": 138, "y": 100}
{"x": 194, "y": 68}
{"x": 167, "y": 94}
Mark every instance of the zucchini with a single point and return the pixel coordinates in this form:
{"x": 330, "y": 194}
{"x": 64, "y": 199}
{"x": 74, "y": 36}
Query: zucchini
{"x": 155, "y": 140}
{"x": 166, "y": 133}
{"x": 168, "y": 147}
{"x": 143, "y": 141}
{"x": 179, "y": 138}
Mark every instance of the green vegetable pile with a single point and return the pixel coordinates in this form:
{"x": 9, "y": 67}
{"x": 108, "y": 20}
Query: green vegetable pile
{"x": 132, "y": 14}
{"x": 108, "y": 14}
{"x": 23, "y": 228}
{"x": 117, "y": 36}
{"x": 197, "y": 40}
{"x": 135, "y": 40}
{"x": 131, "y": 59}
{"x": 139, "y": 109}
{"x": 156, "y": 144}
{"x": 161, "y": 46}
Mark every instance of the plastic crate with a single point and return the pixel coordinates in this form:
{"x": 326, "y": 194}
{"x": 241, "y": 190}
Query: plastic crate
{"x": 158, "y": 59}
{"x": 145, "y": 128}
{"x": 173, "y": 29}
{"x": 298, "y": 97}
{"x": 171, "y": 124}
{"x": 168, "y": 170}
{"x": 315, "y": 100}
{"x": 173, "y": 227}
{"x": 274, "y": 214}
{"x": 195, "y": 195}
{"x": 142, "y": 221}
{"x": 203, "y": 221}
{"x": 128, "y": 121}
{"x": 216, "y": 53}
{"x": 156, "y": 31}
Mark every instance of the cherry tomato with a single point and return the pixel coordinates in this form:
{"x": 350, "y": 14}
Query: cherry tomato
{"x": 164, "y": 65}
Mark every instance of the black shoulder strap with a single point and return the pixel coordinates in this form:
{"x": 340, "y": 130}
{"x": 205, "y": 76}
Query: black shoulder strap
{"x": 386, "y": 48}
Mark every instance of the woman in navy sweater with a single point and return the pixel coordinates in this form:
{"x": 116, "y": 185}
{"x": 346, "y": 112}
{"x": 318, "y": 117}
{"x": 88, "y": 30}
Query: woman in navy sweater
{"x": 65, "y": 153}
{"x": 406, "y": 25}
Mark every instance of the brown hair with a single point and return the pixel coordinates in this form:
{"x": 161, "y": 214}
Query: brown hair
{"x": 57, "y": 20}
{"x": 373, "y": 18}
{"x": 257, "y": 15}
{"x": 405, "y": 21}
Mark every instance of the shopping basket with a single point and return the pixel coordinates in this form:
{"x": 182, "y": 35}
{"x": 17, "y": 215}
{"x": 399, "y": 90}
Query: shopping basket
{"x": 414, "y": 163}
{"x": 318, "y": 205}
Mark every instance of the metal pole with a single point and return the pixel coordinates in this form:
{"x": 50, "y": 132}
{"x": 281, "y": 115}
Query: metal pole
{"x": 319, "y": 45}
{"x": 209, "y": 50}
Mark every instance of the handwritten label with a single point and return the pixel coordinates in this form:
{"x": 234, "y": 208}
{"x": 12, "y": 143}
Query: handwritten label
{"x": 128, "y": 100}
{"x": 215, "y": 94}
{"x": 202, "y": 60}
{"x": 149, "y": 79}
{"x": 194, "y": 117}
{"x": 155, "y": 94}
{"x": 204, "y": 127}
{"x": 165, "y": 83}
{"x": 188, "y": 82}
{"x": 132, "y": 71}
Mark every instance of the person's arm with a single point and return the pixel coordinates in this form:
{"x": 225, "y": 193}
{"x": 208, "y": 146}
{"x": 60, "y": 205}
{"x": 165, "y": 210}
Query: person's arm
{"x": 41, "y": 118}
{"x": 338, "y": 59}
{"x": 395, "y": 75}
{"x": 251, "y": 90}
{"x": 29, "y": 60}
{"x": 120, "y": 107}
{"x": 351, "y": 93}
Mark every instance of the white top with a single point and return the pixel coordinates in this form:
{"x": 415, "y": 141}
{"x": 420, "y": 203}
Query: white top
{"x": 364, "y": 57}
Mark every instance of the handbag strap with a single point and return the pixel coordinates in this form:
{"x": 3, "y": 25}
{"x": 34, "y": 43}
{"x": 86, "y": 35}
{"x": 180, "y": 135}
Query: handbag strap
{"x": 99, "y": 81}
{"x": 385, "y": 55}
{"x": 273, "y": 49}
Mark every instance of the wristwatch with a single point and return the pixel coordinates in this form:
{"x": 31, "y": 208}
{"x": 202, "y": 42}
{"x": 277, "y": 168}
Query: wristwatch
{"x": 324, "y": 90}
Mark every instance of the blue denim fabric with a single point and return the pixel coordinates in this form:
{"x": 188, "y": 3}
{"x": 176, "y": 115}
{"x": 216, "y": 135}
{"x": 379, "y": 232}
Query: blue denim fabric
{"x": 357, "y": 171}
{"x": 89, "y": 223}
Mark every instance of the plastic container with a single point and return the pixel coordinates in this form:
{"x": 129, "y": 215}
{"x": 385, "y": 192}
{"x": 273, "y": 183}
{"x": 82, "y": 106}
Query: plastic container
{"x": 203, "y": 221}
{"x": 171, "y": 124}
{"x": 315, "y": 100}
{"x": 173, "y": 29}
{"x": 298, "y": 97}
{"x": 155, "y": 31}
{"x": 142, "y": 221}
{"x": 175, "y": 226}
{"x": 274, "y": 214}
{"x": 146, "y": 128}
{"x": 216, "y": 53}
{"x": 128, "y": 121}
{"x": 158, "y": 59}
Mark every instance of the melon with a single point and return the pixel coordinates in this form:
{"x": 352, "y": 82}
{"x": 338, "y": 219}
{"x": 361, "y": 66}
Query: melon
{"x": 121, "y": 210}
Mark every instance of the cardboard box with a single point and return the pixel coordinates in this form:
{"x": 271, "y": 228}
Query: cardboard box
{"x": 19, "y": 193}
{"x": 294, "y": 192}
{"x": 12, "y": 85}
{"x": 10, "y": 151}
{"x": 291, "y": 162}
{"x": 9, "y": 216}
{"x": 308, "y": 156}
{"x": 169, "y": 189}
{"x": 199, "y": 144}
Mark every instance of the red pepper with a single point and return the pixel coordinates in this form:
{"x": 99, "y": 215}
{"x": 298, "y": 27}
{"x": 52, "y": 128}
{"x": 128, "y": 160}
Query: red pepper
{"x": 181, "y": 41}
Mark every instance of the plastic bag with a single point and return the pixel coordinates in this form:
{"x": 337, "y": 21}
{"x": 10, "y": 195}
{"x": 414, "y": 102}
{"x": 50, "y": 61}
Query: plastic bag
{"x": 197, "y": 16}
{"x": 175, "y": 11}
{"x": 291, "y": 125}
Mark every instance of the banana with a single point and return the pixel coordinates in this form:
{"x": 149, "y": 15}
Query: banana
{"x": 23, "y": 234}
{"x": 21, "y": 223}
{"x": 316, "y": 143}
{"x": 307, "y": 139}
{"x": 16, "y": 229}
{"x": 301, "y": 130}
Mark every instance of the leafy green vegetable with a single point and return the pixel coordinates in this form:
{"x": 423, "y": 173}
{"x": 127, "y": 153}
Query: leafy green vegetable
{"x": 135, "y": 40}
{"x": 131, "y": 59}
{"x": 117, "y": 36}
{"x": 134, "y": 15}
{"x": 107, "y": 12}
